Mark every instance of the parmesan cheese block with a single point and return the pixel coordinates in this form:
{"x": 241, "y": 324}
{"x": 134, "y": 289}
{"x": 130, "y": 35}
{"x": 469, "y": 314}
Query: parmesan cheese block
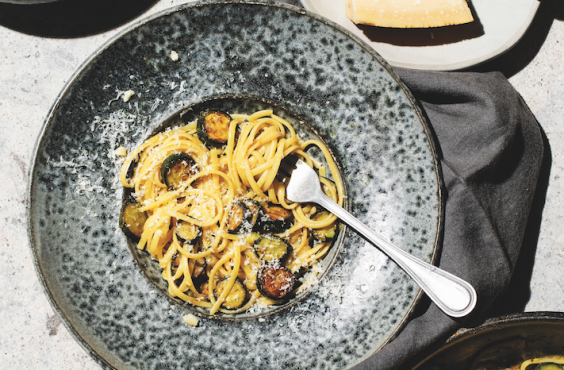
{"x": 409, "y": 13}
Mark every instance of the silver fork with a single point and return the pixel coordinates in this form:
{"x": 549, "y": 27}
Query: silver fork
{"x": 454, "y": 296}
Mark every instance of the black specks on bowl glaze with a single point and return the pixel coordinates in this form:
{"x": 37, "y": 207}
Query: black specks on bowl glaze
{"x": 300, "y": 64}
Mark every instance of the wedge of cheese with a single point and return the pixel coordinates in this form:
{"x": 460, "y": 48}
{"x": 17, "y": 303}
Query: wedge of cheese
{"x": 409, "y": 13}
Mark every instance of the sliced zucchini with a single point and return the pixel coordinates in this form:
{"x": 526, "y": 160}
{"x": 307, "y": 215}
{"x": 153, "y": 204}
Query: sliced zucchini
{"x": 274, "y": 218}
{"x": 187, "y": 233}
{"x": 178, "y": 168}
{"x": 199, "y": 268}
{"x": 255, "y": 208}
{"x": 204, "y": 288}
{"x": 271, "y": 248}
{"x": 132, "y": 220}
{"x": 326, "y": 233}
{"x": 174, "y": 263}
{"x": 275, "y": 281}
{"x": 252, "y": 237}
{"x": 213, "y": 127}
{"x": 236, "y": 297}
{"x": 243, "y": 216}
{"x": 548, "y": 366}
{"x": 237, "y": 214}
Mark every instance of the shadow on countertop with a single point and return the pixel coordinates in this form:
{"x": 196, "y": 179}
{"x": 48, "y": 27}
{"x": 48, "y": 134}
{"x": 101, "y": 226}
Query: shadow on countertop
{"x": 518, "y": 57}
{"x": 71, "y": 18}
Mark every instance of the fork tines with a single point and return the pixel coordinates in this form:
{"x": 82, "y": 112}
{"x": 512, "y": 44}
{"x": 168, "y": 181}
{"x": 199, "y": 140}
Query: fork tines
{"x": 287, "y": 165}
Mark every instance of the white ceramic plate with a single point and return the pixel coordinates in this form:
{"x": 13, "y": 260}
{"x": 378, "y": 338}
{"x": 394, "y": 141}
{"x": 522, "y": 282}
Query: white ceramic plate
{"x": 498, "y": 25}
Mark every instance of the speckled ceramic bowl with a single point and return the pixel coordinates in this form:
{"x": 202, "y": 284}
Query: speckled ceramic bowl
{"x": 501, "y": 342}
{"x": 240, "y": 55}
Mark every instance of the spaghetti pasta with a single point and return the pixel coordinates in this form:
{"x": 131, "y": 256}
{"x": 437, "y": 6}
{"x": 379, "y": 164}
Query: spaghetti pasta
{"x": 210, "y": 206}
{"x": 541, "y": 363}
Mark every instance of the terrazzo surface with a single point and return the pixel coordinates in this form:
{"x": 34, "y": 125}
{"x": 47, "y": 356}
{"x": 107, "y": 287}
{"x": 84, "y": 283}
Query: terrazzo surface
{"x": 34, "y": 69}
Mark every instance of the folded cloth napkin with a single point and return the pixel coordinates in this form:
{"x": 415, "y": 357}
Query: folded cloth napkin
{"x": 490, "y": 150}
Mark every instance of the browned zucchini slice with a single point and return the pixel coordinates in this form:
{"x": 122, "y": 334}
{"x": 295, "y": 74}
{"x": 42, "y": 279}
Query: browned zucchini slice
{"x": 132, "y": 220}
{"x": 178, "y": 168}
{"x": 243, "y": 216}
{"x": 236, "y": 297}
{"x": 174, "y": 263}
{"x": 213, "y": 127}
{"x": 204, "y": 288}
{"x": 271, "y": 248}
{"x": 187, "y": 233}
{"x": 236, "y": 217}
{"x": 326, "y": 233}
{"x": 255, "y": 209}
{"x": 275, "y": 281}
{"x": 274, "y": 218}
{"x": 199, "y": 268}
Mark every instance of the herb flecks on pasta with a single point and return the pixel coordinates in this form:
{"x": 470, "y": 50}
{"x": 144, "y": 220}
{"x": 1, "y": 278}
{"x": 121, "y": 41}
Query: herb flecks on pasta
{"x": 210, "y": 206}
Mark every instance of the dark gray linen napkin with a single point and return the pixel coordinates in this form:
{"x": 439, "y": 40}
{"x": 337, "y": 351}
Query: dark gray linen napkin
{"x": 490, "y": 150}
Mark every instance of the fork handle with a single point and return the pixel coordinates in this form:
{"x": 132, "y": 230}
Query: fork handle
{"x": 454, "y": 296}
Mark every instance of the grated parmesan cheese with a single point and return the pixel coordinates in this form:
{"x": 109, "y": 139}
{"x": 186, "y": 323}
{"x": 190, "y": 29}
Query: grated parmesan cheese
{"x": 121, "y": 152}
{"x": 174, "y": 56}
{"x": 191, "y": 320}
{"x": 127, "y": 95}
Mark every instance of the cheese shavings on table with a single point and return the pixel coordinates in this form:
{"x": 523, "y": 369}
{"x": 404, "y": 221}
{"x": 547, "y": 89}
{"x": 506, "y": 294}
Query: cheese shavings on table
{"x": 409, "y": 13}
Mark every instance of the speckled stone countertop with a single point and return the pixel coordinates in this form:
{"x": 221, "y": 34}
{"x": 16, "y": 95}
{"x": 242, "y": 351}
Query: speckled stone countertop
{"x": 40, "y": 50}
